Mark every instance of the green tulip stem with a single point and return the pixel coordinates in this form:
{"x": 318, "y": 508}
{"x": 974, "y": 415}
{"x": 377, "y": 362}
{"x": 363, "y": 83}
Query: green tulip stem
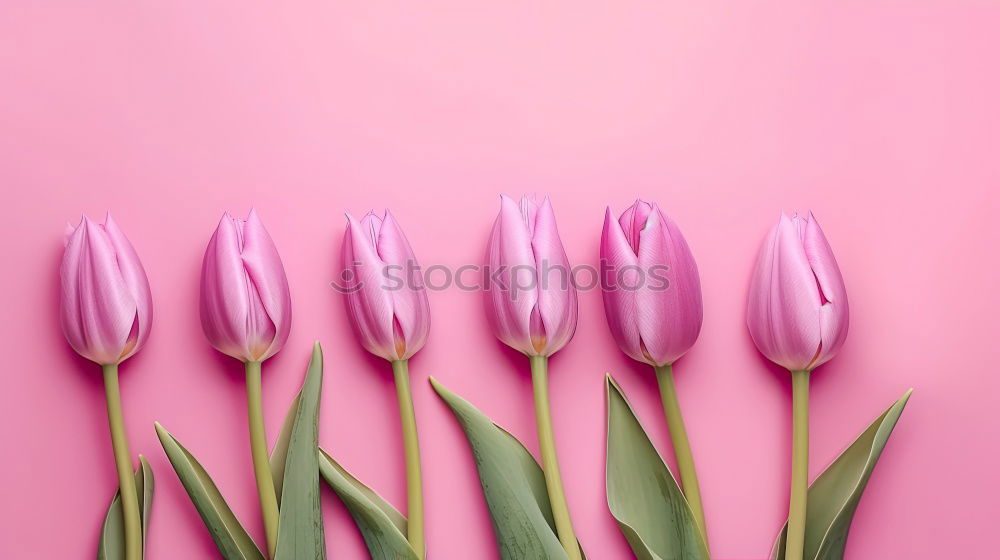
{"x": 261, "y": 463}
{"x": 550, "y": 462}
{"x": 795, "y": 539}
{"x": 411, "y": 448}
{"x": 682, "y": 446}
{"x": 123, "y": 462}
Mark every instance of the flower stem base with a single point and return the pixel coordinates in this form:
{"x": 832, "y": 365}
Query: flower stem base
{"x": 123, "y": 462}
{"x": 550, "y": 461}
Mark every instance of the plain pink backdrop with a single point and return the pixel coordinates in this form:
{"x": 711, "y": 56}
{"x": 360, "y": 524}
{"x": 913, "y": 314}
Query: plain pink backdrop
{"x": 880, "y": 116}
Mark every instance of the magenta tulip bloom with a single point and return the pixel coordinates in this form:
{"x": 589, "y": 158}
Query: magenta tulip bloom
{"x": 531, "y": 303}
{"x": 652, "y": 293}
{"x": 797, "y": 311}
{"x": 386, "y": 299}
{"x": 106, "y": 312}
{"x": 246, "y": 308}
{"x": 387, "y": 305}
{"x": 106, "y": 308}
{"x": 531, "y": 300}
{"x": 652, "y": 299}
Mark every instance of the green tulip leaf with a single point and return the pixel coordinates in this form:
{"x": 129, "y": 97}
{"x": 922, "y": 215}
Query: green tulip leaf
{"x": 381, "y": 525}
{"x": 279, "y": 454}
{"x": 300, "y": 525}
{"x": 643, "y": 495}
{"x": 833, "y": 497}
{"x": 230, "y": 537}
{"x": 112, "y": 544}
{"x": 513, "y": 485}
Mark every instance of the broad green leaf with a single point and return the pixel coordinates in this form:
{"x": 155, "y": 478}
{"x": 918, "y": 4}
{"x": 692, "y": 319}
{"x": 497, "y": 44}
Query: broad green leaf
{"x": 833, "y": 497}
{"x": 513, "y": 485}
{"x": 300, "y": 525}
{"x": 643, "y": 495}
{"x": 230, "y": 537}
{"x": 112, "y": 544}
{"x": 381, "y": 525}
{"x": 279, "y": 455}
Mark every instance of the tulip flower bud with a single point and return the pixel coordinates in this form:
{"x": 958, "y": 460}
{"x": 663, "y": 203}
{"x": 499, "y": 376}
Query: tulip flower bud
{"x": 652, "y": 293}
{"x": 386, "y": 299}
{"x": 105, "y": 306}
{"x": 531, "y": 300}
{"x": 246, "y": 308}
{"x": 797, "y": 309}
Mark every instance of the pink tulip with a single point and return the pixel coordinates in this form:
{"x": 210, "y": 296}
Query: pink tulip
{"x": 797, "y": 311}
{"x": 652, "y": 293}
{"x": 106, "y": 308}
{"x": 386, "y": 301}
{"x": 246, "y": 308}
{"x": 531, "y": 300}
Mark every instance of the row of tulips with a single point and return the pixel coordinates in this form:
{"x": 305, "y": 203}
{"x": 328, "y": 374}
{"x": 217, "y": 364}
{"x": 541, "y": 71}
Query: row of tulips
{"x": 797, "y": 316}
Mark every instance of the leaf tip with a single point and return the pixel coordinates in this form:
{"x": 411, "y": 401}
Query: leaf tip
{"x": 161, "y": 432}
{"x": 436, "y": 384}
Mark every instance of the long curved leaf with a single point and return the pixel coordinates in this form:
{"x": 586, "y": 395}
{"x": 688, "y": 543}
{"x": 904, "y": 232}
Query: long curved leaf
{"x": 230, "y": 537}
{"x": 643, "y": 495}
{"x": 279, "y": 454}
{"x": 300, "y": 525}
{"x": 381, "y": 525}
{"x": 513, "y": 484}
{"x": 112, "y": 543}
{"x": 834, "y": 496}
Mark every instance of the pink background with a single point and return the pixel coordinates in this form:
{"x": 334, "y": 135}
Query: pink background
{"x": 882, "y": 117}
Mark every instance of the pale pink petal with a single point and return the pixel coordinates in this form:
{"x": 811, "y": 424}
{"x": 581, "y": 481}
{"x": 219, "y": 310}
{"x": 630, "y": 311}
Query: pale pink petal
{"x": 270, "y": 303}
{"x": 369, "y": 304}
{"x": 619, "y": 279}
{"x": 135, "y": 279}
{"x": 511, "y": 289}
{"x": 834, "y": 314}
{"x": 759, "y": 297}
{"x": 225, "y": 292}
{"x": 409, "y": 298}
{"x": 633, "y": 221}
{"x": 69, "y": 273}
{"x": 557, "y": 297}
{"x": 793, "y": 312}
{"x": 669, "y": 317}
{"x": 106, "y": 311}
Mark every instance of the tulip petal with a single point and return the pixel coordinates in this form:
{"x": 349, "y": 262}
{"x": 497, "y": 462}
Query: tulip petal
{"x": 633, "y": 221}
{"x": 225, "y": 291}
{"x": 557, "y": 297}
{"x": 834, "y": 314}
{"x": 670, "y": 317}
{"x": 619, "y": 279}
{"x": 98, "y": 309}
{"x": 409, "y": 299}
{"x": 270, "y": 304}
{"x": 135, "y": 279}
{"x": 783, "y": 310}
{"x": 368, "y": 302}
{"x": 511, "y": 293}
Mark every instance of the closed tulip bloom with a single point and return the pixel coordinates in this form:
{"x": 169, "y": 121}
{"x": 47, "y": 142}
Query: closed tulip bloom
{"x": 386, "y": 300}
{"x": 652, "y": 299}
{"x": 798, "y": 316}
{"x": 531, "y": 303}
{"x": 652, "y": 293}
{"x": 105, "y": 306}
{"x": 106, "y": 312}
{"x": 531, "y": 300}
{"x": 388, "y": 309}
{"x": 246, "y": 308}
{"x": 797, "y": 310}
